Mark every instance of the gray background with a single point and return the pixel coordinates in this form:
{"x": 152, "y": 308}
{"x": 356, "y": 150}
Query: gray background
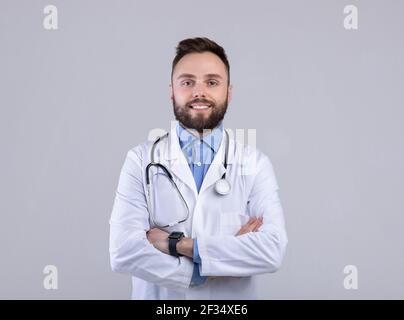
{"x": 326, "y": 103}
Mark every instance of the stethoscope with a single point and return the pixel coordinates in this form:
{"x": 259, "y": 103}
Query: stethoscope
{"x": 222, "y": 186}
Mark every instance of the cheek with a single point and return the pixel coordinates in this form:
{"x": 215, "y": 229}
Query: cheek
{"x": 182, "y": 95}
{"x": 219, "y": 95}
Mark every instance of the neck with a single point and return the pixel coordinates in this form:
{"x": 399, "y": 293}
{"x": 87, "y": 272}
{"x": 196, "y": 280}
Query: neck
{"x": 197, "y": 133}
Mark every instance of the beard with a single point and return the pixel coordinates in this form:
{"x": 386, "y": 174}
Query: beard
{"x": 199, "y": 122}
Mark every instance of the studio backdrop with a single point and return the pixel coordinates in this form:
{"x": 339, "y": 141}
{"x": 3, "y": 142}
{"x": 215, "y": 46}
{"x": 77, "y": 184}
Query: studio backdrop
{"x": 321, "y": 82}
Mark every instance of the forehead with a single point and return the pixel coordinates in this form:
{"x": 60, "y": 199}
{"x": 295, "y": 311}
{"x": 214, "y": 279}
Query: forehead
{"x": 200, "y": 64}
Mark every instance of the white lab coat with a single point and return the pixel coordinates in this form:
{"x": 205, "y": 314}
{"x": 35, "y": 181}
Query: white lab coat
{"x": 232, "y": 261}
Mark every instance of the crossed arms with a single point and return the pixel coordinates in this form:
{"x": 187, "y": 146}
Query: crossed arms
{"x": 159, "y": 238}
{"x": 257, "y": 248}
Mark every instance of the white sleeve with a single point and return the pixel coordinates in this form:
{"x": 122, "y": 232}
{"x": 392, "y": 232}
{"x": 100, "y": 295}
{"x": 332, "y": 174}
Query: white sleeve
{"x": 130, "y": 251}
{"x": 254, "y": 252}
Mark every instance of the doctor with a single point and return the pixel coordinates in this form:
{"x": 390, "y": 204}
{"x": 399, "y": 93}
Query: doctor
{"x": 219, "y": 241}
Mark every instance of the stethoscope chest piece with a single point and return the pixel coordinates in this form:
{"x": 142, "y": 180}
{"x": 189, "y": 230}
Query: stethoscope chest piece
{"x": 222, "y": 187}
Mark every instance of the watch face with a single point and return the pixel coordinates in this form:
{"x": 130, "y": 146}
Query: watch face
{"x": 176, "y": 235}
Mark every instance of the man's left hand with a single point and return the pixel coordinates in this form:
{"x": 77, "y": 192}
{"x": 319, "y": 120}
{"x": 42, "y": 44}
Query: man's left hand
{"x": 159, "y": 239}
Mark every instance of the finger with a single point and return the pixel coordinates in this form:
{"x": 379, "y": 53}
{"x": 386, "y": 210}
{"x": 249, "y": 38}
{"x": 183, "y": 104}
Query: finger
{"x": 253, "y": 226}
{"x": 252, "y": 221}
{"x": 261, "y": 220}
{"x": 257, "y": 218}
{"x": 242, "y": 230}
{"x": 257, "y": 227}
{"x": 248, "y": 227}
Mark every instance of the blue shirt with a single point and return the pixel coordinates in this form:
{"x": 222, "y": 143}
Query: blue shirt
{"x": 199, "y": 152}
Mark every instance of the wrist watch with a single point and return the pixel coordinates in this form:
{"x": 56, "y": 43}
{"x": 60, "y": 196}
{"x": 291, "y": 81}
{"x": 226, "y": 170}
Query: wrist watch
{"x": 173, "y": 238}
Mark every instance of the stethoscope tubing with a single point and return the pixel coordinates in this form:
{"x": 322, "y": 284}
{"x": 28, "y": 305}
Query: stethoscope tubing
{"x": 170, "y": 177}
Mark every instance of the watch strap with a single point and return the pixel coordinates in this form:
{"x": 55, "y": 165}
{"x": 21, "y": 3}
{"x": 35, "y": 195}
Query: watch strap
{"x": 172, "y": 247}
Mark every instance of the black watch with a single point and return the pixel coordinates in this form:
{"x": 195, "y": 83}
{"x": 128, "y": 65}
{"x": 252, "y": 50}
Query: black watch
{"x": 173, "y": 238}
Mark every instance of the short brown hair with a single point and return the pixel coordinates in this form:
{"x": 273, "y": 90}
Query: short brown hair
{"x": 200, "y": 45}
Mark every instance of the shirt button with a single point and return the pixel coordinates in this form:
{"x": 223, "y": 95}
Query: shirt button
{"x": 198, "y": 163}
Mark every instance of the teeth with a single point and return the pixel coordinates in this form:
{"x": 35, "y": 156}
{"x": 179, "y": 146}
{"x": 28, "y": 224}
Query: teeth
{"x": 199, "y": 107}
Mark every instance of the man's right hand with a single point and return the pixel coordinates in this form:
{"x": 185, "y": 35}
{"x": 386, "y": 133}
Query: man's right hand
{"x": 251, "y": 226}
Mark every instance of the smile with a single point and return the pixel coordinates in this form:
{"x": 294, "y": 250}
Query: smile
{"x": 199, "y": 106}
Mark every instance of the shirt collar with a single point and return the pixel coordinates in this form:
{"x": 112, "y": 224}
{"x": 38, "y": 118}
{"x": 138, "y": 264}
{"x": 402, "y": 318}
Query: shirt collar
{"x": 213, "y": 139}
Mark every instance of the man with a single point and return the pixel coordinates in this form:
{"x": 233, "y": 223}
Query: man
{"x": 225, "y": 239}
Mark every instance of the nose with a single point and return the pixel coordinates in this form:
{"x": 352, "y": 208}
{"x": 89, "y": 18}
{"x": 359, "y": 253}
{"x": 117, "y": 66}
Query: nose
{"x": 198, "y": 91}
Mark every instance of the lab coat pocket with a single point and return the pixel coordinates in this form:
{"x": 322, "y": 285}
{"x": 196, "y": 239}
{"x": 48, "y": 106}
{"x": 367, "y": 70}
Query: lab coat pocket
{"x": 232, "y": 221}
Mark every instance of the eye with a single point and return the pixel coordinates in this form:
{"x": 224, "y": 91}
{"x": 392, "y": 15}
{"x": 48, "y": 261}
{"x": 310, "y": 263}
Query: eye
{"x": 212, "y": 83}
{"x": 186, "y": 83}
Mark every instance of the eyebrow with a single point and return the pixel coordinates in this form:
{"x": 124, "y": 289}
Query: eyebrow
{"x": 209, "y": 75}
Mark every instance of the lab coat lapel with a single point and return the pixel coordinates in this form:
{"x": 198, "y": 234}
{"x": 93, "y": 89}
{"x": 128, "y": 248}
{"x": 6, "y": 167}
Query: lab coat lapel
{"x": 177, "y": 162}
{"x": 216, "y": 168}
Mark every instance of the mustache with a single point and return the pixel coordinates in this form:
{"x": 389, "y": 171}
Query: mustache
{"x": 211, "y": 103}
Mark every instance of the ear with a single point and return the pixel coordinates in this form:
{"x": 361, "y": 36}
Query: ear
{"x": 171, "y": 91}
{"x": 230, "y": 93}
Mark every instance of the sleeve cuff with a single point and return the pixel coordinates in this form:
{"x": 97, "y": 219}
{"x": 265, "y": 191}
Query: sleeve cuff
{"x": 197, "y": 279}
{"x": 197, "y": 258}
